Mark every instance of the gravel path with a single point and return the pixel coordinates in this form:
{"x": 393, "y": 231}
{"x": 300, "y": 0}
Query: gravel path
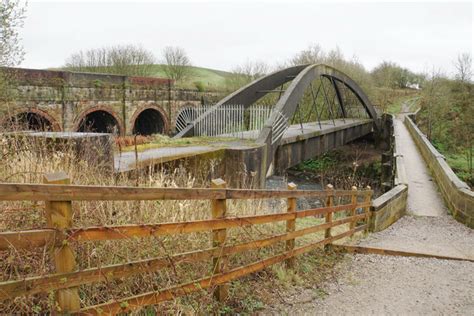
{"x": 383, "y": 285}
{"x": 434, "y": 235}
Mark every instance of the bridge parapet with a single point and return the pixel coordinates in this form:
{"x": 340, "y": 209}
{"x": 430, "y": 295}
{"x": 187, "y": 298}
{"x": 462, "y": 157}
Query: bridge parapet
{"x": 457, "y": 194}
{"x": 391, "y": 206}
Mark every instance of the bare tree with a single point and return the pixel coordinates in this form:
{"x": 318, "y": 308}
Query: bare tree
{"x": 124, "y": 60}
{"x": 176, "y": 63}
{"x": 12, "y": 15}
{"x": 432, "y": 92}
{"x": 314, "y": 54}
{"x": 246, "y": 73}
{"x": 463, "y": 66}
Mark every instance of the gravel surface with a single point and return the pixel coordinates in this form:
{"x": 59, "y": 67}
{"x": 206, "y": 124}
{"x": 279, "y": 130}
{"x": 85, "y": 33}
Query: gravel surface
{"x": 384, "y": 285}
{"x": 434, "y": 235}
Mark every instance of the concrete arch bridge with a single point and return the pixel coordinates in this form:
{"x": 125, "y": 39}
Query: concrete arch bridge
{"x": 314, "y": 108}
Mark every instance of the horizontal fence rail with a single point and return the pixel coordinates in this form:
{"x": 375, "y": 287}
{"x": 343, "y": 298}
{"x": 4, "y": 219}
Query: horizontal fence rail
{"x": 56, "y": 192}
{"x": 61, "y": 233}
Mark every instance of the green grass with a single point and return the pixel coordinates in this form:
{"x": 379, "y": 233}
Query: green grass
{"x": 160, "y": 141}
{"x": 324, "y": 162}
{"x": 211, "y": 79}
{"x": 396, "y": 107}
{"x": 457, "y": 161}
{"x": 459, "y": 164}
{"x": 208, "y": 79}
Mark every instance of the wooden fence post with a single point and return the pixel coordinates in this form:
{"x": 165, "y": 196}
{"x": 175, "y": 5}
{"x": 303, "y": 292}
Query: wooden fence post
{"x": 354, "y": 206}
{"x": 219, "y": 264}
{"x": 329, "y": 203}
{"x": 290, "y": 227}
{"x": 59, "y": 216}
{"x": 368, "y": 199}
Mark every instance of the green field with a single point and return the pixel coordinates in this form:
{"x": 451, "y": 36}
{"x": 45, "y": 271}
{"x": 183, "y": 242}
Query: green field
{"x": 208, "y": 79}
{"x": 211, "y": 79}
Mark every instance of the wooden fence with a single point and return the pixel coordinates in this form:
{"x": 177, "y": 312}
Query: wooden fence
{"x": 58, "y": 196}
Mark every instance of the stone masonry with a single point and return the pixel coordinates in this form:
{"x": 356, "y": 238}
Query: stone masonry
{"x": 63, "y": 99}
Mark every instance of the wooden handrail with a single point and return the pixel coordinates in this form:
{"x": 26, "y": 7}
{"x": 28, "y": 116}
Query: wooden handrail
{"x": 41, "y": 237}
{"x": 157, "y": 297}
{"x": 56, "y": 192}
{"x": 38, "y": 284}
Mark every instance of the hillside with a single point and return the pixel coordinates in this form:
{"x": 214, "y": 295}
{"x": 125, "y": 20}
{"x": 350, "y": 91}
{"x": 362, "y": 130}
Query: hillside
{"x": 210, "y": 78}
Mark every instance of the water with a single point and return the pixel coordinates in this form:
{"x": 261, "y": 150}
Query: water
{"x": 281, "y": 182}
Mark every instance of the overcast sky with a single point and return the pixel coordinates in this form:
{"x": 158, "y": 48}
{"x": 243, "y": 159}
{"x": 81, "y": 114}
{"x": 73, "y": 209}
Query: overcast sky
{"x": 222, "y": 35}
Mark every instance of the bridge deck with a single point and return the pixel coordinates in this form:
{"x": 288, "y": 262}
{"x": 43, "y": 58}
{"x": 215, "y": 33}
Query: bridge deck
{"x": 127, "y": 161}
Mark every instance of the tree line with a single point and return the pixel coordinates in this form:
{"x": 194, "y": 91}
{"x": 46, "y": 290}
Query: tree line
{"x": 132, "y": 60}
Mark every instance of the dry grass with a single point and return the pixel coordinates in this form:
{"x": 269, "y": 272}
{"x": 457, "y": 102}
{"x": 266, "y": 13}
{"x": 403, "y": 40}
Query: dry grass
{"x": 26, "y": 162}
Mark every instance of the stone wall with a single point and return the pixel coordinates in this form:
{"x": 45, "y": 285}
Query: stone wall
{"x": 64, "y": 98}
{"x": 391, "y": 206}
{"x": 456, "y": 193}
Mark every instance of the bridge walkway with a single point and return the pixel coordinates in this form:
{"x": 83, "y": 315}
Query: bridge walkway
{"x": 380, "y": 285}
{"x": 127, "y": 161}
{"x": 428, "y": 227}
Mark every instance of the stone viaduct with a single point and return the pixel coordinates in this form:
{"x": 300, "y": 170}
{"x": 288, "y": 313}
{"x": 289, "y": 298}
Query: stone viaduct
{"x": 71, "y": 101}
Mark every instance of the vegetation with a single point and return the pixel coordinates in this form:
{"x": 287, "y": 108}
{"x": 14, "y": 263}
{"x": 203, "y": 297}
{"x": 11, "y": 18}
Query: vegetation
{"x": 24, "y": 161}
{"x": 391, "y": 75}
{"x": 176, "y": 63}
{"x": 356, "y": 164}
{"x": 447, "y": 117}
{"x": 120, "y": 60}
{"x": 244, "y": 74}
{"x": 159, "y": 141}
{"x": 208, "y": 79}
{"x": 12, "y": 15}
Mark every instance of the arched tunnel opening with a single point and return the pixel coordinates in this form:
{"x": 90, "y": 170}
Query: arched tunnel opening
{"x": 99, "y": 122}
{"x": 30, "y": 121}
{"x": 149, "y": 122}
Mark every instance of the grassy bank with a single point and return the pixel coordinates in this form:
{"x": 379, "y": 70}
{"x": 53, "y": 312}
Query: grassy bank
{"x": 127, "y": 143}
{"x": 209, "y": 79}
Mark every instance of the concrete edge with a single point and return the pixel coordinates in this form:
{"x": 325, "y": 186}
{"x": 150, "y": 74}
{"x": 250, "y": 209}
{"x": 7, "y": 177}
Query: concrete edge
{"x": 391, "y": 206}
{"x": 457, "y": 194}
{"x": 387, "y": 197}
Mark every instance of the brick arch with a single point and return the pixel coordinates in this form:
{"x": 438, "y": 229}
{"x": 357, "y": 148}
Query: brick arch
{"x": 82, "y": 116}
{"x": 43, "y": 114}
{"x": 164, "y": 117}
